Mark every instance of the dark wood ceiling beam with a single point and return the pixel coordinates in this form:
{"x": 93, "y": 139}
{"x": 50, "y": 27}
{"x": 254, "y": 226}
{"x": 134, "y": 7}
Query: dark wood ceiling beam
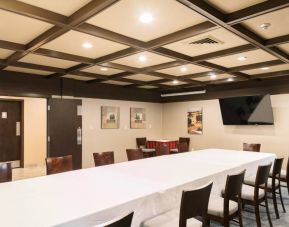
{"x": 109, "y": 35}
{"x": 162, "y": 66}
{"x": 116, "y": 55}
{"x": 63, "y": 56}
{"x": 172, "y": 54}
{"x": 271, "y": 74}
{"x": 223, "y": 53}
{"x": 12, "y": 46}
{"x": 37, "y": 67}
{"x": 255, "y": 66}
{"x": 219, "y": 18}
{"x": 277, "y": 41}
{"x": 256, "y": 10}
{"x": 182, "y": 34}
{"x": 121, "y": 67}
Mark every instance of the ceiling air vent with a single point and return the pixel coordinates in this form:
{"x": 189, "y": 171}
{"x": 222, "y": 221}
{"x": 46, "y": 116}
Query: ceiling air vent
{"x": 207, "y": 40}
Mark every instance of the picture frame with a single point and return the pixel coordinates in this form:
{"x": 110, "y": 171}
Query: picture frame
{"x": 137, "y": 118}
{"x": 110, "y": 116}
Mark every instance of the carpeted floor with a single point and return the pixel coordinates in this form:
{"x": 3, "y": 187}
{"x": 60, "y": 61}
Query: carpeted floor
{"x": 249, "y": 215}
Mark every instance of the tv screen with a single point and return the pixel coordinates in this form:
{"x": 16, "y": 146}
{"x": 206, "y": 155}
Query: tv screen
{"x": 247, "y": 110}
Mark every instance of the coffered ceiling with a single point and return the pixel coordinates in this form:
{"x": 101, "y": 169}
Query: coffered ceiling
{"x": 147, "y": 44}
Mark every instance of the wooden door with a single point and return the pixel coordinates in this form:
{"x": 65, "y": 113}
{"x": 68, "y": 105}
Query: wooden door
{"x": 10, "y": 131}
{"x": 65, "y": 129}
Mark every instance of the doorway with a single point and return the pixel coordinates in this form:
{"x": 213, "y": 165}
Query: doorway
{"x": 65, "y": 129}
{"x": 11, "y": 132}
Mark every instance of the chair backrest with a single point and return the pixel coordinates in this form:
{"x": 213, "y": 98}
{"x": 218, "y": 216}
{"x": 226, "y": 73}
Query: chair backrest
{"x": 5, "y": 172}
{"x": 183, "y": 147}
{"x": 261, "y": 179}
{"x": 233, "y": 189}
{"x": 104, "y": 158}
{"x": 141, "y": 142}
{"x": 162, "y": 150}
{"x": 276, "y": 174}
{"x": 134, "y": 154}
{"x": 59, "y": 164}
{"x": 123, "y": 222}
{"x": 184, "y": 140}
{"x": 252, "y": 147}
{"x": 194, "y": 204}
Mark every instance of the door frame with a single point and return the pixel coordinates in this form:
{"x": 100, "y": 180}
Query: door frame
{"x": 21, "y": 101}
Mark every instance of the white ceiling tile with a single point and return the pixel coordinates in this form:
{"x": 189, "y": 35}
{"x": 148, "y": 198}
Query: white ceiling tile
{"x": 275, "y": 68}
{"x": 184, "y": 70}
{"x": 20, "y": 29}
{"x": 25, "y": 70}
{"x": 63, "y": 7}
{"x": 72, "y": 41}
{"x": 151, "y": 59}
{"x": 47, "y": 61}
{"x": 75, "y": 77}
{"x": 116, "y": 82}
{"x": 143, "y": 77}
{"x": 99, "y": 70}
{"x": 5, "y": 53}
{"x": 168, "y": 16}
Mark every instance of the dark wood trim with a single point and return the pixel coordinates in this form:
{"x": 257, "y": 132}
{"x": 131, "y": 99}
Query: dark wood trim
{"x": 255, "y": 10}
{"x": 255, "y": 66}
{"x": 15, "y": 84}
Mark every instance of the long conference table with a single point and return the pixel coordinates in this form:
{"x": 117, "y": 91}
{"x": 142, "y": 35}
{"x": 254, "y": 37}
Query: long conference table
{"x": 90, "y": 197}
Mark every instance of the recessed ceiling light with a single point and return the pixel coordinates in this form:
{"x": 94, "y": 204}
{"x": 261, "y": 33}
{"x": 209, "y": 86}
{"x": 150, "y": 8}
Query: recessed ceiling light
{"x": 87, "y": 45}
{"x": 175, "y": 81}
{"x": 265, "y": 26}
{"x": 230, "y": 79}
{"x": 184, "y": 69}
{"x": 213, "y": 75}
{"x": 146, "y": 18}
{"x": 142, "y": 58}
{"x": 265, "y": 68}
{"x": 103, "y": 69}
{"x": 242, "y": 58}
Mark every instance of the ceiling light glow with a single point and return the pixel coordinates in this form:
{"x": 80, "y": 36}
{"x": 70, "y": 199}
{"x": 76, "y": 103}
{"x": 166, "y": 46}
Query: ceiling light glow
{"x": 184, "y": 69}
{"x": 230, "y": 79}
{"x": 103, "y": 69}
{"x": 146, "y": 18}
{"x": 242, "y": 58}
{"x": 175, "y": 81}
{"x": 265, "y": 68}
{"x": 142, "y": 58}
{"x": 265, "y": 26}
{"x": 87, "y": 45}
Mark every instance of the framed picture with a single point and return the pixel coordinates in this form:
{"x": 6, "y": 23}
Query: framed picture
{"x": 195, "y": 122}
{"x": 109, "y": 117}
{"x": 137, "y": 118}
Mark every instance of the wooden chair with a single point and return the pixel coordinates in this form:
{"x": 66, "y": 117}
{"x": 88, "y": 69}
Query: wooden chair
{"x": 123, "y": 222}
{"x": 273, "y": 185}
{"x": 193, "y": 204}
{"x": 255, "y": 195}
{"x": 59, "y": 164}
{"x": 5, "y": 172}
{"x": 162, "y": 150}
{"x": 142, "y": 143}
{"x": 225, "y": 209}
{"x": 285, "y": 176}
{"x": 104, "y": 158}
{"x": 183, "y": 146}
{"x": 134, "y": 154}
{"x": 251, "y": 147}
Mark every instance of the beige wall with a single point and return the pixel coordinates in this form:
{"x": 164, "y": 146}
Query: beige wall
{"x": 96, "y": 139}
{"x": 215, "y": 135}
{"x": 34, "y": 130}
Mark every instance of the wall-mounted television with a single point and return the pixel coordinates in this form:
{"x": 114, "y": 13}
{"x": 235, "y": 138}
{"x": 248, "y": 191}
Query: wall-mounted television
{"x": 247, "y": 110}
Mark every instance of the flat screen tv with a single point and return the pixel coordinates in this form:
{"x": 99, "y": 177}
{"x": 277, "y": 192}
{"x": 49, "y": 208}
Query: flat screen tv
{"x": 247, "y": 110}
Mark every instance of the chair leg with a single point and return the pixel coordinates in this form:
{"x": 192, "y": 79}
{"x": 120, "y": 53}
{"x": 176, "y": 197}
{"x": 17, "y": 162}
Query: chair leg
{"x": 268, "y": 212}
{"x": 240, "y": 217}
{"x": 257, "y": 213}
{"x": 281, "y": 198}
{"x": 275, "y": 204}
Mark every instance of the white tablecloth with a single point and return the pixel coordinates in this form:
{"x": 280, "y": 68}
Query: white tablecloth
{"x": 92, "y": 196}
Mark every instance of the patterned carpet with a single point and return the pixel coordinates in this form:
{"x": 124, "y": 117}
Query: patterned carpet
{"x": 249, "y": 215}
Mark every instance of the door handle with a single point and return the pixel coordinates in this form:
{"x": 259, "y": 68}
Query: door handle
{"x": 79, "y": 136}
{"x": 18, "y": 128}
